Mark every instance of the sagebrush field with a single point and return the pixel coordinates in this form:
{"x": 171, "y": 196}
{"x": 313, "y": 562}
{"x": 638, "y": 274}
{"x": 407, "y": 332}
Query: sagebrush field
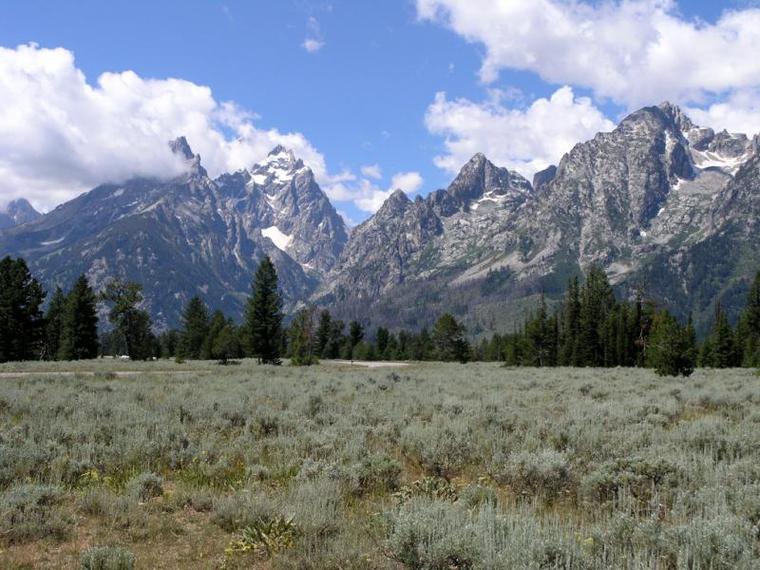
{"x": 429, "y": 466}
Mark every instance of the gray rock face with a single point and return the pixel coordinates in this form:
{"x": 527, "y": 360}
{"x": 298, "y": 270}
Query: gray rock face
{"x": 655, "y": 197}
{"x": 659, "y": 202}
{"x": 190, "y": 235}
{"x": 18, "y": 212}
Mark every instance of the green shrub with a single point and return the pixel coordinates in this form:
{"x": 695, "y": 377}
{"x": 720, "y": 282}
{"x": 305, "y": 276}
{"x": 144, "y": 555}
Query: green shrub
{"x": 107, "y": 558}
{"x": 546, "y": 473}
{"x": 432, "y": 535}
{"x": 146, "y": 486}
{"x": 30, "y": 512}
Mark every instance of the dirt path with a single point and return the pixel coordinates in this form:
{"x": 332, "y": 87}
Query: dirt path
{"x": 367, "y": 364}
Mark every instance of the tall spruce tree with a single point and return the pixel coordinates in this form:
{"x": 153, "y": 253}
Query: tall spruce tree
{"x": 749, "y": 325}
{"x": 263, "y": 319}
{"x": 132, "y": 323}
{"x": 324, "y": 330}
{"x": 53, "y": 325}
{"x": 302, "y": 337}
{"x": 571, "y": 321}
{"x": 214, "y": 328}
{"x": 719, "y": 350}
{"x": 597, "y": 300}
{"x": 670, "y": 350}
{"x": 79, "y": 323}
{"x": 195, "y": 328}
{"x": 21, "y": 320}
{"x": 449, "y": 340}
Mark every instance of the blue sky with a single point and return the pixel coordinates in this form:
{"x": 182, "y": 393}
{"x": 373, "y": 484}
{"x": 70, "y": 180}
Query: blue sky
{"x": 365, "y": 93}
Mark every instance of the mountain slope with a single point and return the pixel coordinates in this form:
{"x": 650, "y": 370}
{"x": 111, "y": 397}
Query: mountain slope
{"x": 16, "y": 213}
{"x": 190, "y": 235}
{"x": 658, "y": 202}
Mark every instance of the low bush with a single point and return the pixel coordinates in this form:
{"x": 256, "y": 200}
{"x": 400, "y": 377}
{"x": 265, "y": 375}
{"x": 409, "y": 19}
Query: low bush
{"x": 107, "y": 558}
{"x": 30, "y": 512}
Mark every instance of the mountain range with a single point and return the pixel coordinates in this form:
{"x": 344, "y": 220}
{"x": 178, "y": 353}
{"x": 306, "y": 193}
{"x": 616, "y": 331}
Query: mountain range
{"x": 670, "y": 210}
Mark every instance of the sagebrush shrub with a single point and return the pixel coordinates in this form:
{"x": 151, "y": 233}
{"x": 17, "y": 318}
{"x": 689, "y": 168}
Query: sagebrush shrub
{"x": 30, "y": 512}
{"x": 107, "y": 558}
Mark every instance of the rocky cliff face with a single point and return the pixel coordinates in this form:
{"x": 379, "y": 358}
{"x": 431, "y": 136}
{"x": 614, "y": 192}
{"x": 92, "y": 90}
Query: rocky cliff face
{"x": 190, "y": 235}
{"x": 658, "y": 202}
{"x": 663, "y": 205}
{"x": 16, "y": 213}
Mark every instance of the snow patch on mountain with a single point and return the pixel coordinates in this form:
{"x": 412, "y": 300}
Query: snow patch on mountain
{"x": 279, "y": 239}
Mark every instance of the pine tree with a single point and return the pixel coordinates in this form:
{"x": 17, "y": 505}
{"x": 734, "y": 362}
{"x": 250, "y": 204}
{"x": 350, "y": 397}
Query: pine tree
{"x": 226, "y": 344}
{"x": 21, "y": 321}
{"x": 670, "y": 350}
{"x": 597, "y": 300}
{"x": 263, "y": 319}
{"x": 719, "y": 350}
{"x": 324, "y": 331}
{"x": 381, "y": 338}
{"x": 79, "y": 323}
{"x": 53, "y": 324}
{"x": 131, "y": 322}
{"x": 355, "y": 334}
{"x": 449, "y": 340}
{"x": 570, "y": 335}
{"x": 302, "y": 338}
{"x": 195, "y": 328}
{"x": 213, "y": 329}
{"x": 749, "y": 325}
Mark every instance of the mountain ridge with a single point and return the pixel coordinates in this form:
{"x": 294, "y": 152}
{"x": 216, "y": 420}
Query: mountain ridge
{"x": 664, "y": 206}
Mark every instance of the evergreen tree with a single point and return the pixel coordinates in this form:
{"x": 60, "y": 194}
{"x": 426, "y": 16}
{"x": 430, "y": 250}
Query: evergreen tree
{"x": 263, "y": 319}
{"x": 381, "y": 338}
{"x": 213, "y": 329}
{"x": 53, "y": 325}
{"x": 596, "y": 302}
{"x": 670, "y": 350}
{"x": 168, "y": 344}
{"x": 749, "y": 325}
{"x": 226, "y": 344}
{"x": 302, "y": 338}
{"x": 570, "y": 334}
{"x": 335, "y": 341}
{"x": 719, "y": 350}
{"x": 79, "y": 323}
{"x": 195, "y": 328}
{"x": 324, "y": 332}
{"x": 449, "y": 340}
{"x": 131, "y": 322}
{"x": 355, "y": 334}
{"x": 22, "y": 324}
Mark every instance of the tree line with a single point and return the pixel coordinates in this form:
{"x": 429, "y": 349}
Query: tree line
{"x": 590, "y": 327}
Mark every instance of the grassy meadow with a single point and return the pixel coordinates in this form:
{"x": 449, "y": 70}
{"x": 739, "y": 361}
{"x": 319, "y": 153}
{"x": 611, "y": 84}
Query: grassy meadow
{"x": 119, "y": 465}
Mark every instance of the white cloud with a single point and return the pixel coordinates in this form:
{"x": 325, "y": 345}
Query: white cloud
{"x": 526, "y": 140}
{"x": 409, "y": 182}
{"x": 372, "y": 171}
{"x": 739, "y": 113}
{"x": 635, "y": 51}
{"x": 60, "y": 135}
{"x": 313, "y": 45}
{"x": 313, "y": 42}
{"x": 368, "y": 196}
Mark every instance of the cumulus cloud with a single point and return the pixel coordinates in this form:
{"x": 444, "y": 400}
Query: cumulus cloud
{"x": 60, "y": 135}
{"x": 634, "y": 51}
{"x": 368, "y": 196}
{"x": 372, "y": 171}
{"x": 523, "y": 139}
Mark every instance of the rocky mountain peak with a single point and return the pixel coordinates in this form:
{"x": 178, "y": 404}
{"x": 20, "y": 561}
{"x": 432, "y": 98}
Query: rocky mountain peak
{"x": 18, "y": 212}
{"x": 279, "y": 167}
{"x": 480, "y": 177}
{"x": 676, "y": 116}
{"x": 181, "y": 148}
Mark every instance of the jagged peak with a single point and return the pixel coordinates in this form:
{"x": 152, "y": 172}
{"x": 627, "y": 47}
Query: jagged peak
{"x": 181, "y": 147}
